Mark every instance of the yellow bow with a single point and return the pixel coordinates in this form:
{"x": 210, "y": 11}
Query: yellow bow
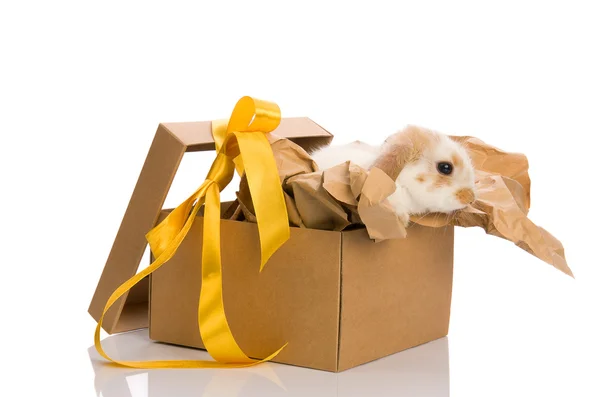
{"x": 241, "y": 144}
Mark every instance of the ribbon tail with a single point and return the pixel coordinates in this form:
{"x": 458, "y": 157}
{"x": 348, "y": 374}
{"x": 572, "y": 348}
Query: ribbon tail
{"x": 214, "y": 328}
{"x": 234, "y": 358}
{"x": 161, "y": 236}
{"x": 166, "y": 254}
{"x": 266, "y": 192}
{"x": 249, "y": 152}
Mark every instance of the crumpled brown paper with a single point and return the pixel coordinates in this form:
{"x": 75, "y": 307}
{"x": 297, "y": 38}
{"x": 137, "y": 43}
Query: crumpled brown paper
{"x": 348, "y": 195}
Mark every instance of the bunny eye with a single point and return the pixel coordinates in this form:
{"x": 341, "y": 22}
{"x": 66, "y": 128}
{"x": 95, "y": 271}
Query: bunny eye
{"x": 445, "y": 168}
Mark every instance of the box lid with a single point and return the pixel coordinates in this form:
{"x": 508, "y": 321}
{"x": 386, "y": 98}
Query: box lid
{"x": 197, "y": 136}
{"x": 170, "y": 143}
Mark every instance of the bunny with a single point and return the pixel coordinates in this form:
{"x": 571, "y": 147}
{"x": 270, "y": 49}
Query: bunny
{"x": 432, "y": 172}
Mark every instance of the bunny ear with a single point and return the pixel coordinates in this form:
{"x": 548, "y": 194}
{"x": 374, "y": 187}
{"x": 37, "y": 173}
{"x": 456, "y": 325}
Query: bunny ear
{"x": 398, "y": 150}
{"x": 393, "y": 158}
{"x": 402, "y": 148}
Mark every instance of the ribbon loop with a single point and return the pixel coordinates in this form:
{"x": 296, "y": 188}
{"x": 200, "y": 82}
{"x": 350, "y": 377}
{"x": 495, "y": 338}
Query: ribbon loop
{"x": 241, "y": 144}
{"x": 254, "y": 115}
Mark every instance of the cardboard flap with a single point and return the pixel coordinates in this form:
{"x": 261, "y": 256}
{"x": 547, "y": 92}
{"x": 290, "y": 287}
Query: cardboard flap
{"x": 170, "y": 143}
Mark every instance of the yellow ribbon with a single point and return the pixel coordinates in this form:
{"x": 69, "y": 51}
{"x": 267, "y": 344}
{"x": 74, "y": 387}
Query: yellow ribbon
{"x": 241, "y": 144}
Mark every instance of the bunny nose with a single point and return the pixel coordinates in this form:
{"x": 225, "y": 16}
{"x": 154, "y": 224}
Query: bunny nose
{"x": 465, "y": 196}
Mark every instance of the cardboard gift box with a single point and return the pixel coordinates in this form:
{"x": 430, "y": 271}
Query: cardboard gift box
{"x": 338, "y": 299}
{"x": 335, "y": 299}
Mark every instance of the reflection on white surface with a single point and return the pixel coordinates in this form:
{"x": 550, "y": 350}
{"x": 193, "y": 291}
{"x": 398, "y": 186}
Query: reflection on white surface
{"x": 421, "y": 371}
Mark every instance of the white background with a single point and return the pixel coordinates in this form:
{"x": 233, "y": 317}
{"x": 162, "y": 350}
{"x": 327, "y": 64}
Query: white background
{"x": 83, "y": 86}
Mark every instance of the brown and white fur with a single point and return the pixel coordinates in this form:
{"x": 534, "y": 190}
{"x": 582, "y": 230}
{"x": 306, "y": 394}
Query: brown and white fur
{"x": 411, "y": 158}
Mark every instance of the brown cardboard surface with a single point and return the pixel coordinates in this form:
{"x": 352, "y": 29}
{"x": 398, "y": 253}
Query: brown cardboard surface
{"x": 140, "y": 216}
{"x": 171, "y": 141}
{"x": 393, "y": 295}
{"x": 396, "y": 294}
{"x": 295, "y": 299}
